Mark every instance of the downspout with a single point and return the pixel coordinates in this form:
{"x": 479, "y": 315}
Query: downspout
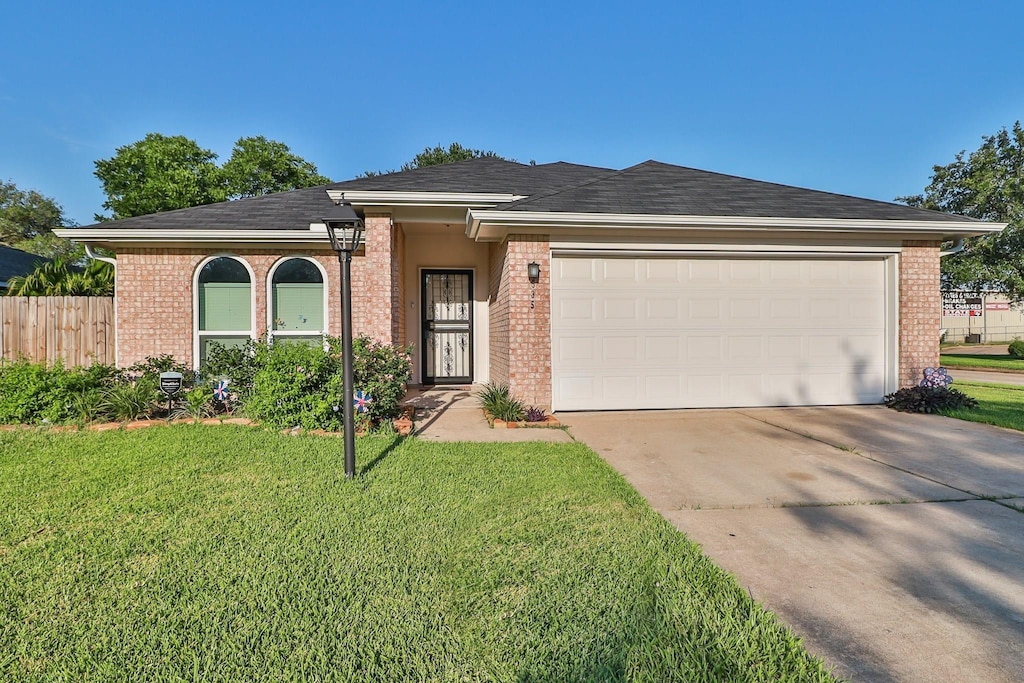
{"x": 106, "y": 259}
{"x": 113, "y": 262}
{"x": 956, "y": 249}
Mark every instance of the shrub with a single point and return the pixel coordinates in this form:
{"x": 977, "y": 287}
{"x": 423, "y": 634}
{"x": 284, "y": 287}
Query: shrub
{"x": 297, "y": 384}
{"x": 33, "y": 393}
{"x": 535, "y": 414}
{"x": 497, "y": 400}
{"x": 1017, "y": 347}
{"x": 929, "y": 400}
{"x": 382, "y": 371}
{"x": 234, "y": 363}
{"x": 130, "y": 400}
{"x": 154, "y": 365}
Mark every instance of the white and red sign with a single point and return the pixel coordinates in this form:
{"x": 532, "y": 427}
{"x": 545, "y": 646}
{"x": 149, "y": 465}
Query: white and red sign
{"x": 961, "y": 305}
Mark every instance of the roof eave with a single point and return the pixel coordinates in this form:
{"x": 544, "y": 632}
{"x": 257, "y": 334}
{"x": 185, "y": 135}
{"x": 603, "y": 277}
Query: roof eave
{"x": 493, "y": 226}
{"x": 315, "y": 235}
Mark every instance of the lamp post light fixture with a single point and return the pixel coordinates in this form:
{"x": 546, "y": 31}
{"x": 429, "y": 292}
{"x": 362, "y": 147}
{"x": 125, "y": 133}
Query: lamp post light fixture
{"x": 345, "y": 228}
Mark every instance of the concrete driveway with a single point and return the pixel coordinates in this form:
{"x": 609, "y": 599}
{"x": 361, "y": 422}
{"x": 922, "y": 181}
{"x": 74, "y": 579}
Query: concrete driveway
{"x": 892, "y": 543}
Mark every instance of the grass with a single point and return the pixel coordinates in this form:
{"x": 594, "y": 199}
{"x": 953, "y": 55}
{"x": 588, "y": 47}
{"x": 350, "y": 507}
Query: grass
{"x": 982, "y": 361}
{"x": 998, "y": 404}
{"x": 224, "y": 554}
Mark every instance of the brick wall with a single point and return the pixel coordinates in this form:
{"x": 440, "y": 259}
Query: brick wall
{"x": 497, "y": 305}
{"x": 398, "y": 290}
{"x": 529, "y": 306}
{"x": 155, "y": 299}
{"x": 920, "y": 310}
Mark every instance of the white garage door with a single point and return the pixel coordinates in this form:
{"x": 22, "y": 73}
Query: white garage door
{"x": 700, "y": 333}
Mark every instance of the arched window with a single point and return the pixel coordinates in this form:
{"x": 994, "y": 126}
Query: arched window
{"x": 297, "y": 306}
{"x": 223, "y": 304}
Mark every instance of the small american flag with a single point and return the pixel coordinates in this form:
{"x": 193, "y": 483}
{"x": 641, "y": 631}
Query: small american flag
{"x": 362, "y": 401}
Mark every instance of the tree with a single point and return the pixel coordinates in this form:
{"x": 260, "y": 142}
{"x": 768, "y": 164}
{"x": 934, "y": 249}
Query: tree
{"x": 159, "y": 173}
{"x": 27, "y": 221}
{"x": 435, "y": 156}
{"x": 27, "y": 214}
{"x": 55, "y": 278}
{"x": 260, "y": 166}
{"x": 987, "y": 184}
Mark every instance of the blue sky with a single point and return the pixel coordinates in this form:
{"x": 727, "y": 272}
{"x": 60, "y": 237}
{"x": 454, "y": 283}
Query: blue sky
{"x": 855, "y": 97}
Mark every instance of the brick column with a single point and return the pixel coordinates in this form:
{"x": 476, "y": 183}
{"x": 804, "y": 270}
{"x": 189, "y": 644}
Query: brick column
{"x": 376, "y": 283}
{"x": 920, "y": 310}
{"x": 529, "y": 319}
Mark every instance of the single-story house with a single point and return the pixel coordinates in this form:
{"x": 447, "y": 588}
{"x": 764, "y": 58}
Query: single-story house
{"x": 17, "y": 263}
{"x": 659, "y": 286}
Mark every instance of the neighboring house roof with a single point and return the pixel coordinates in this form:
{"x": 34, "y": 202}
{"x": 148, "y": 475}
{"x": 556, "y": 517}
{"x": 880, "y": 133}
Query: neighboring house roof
{"x": 651, "y": 189}
{"x": 16, "y": 263}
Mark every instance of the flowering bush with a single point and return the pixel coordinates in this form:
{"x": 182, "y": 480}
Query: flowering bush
{"x": 288, "y": 384}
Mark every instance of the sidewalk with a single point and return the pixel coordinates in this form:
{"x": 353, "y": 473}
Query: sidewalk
{"x": 454, "y": 414}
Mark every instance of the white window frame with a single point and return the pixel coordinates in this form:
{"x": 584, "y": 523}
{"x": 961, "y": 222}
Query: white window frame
{"x": 271, "y": 332}
{"x": 198, "y": 334}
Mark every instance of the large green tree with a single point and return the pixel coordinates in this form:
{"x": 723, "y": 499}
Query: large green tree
{"x": 260, "y": 166}
{"x": 27, "y": 221}
{"x": 987, "y": 184}
{"x": 25, "y": 214}
{"x": 435, "y": 156}
{"x": 161, "y": 173}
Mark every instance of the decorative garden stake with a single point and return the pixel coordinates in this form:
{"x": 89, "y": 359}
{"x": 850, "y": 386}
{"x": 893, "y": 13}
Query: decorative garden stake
{"x": 936, "y": 378}
{"x": 362, "y": 401}
{"x": 220, "y": 391}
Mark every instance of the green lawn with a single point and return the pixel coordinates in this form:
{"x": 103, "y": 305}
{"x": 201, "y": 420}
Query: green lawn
{"x": 982, "y": 361}
{"x": 998, "y": 404}
{"x": 231, "y": 554}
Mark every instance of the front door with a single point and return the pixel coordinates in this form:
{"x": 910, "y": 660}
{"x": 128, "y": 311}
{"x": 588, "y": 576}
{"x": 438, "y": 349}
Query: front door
{"x": 447, "y": 326}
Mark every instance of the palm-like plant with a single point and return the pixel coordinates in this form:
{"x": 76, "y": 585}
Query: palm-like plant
{"x": 55, "y": 278}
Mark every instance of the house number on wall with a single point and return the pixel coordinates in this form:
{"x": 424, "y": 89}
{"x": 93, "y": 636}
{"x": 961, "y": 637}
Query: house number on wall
{"x": 533, "y": 294}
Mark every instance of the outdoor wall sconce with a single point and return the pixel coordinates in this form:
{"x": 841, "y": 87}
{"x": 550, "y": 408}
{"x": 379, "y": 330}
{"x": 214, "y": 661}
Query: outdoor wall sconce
{"x": 533, "y": 272}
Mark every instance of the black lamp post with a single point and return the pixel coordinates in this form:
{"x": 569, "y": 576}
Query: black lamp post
{"x": 345, "y": 228}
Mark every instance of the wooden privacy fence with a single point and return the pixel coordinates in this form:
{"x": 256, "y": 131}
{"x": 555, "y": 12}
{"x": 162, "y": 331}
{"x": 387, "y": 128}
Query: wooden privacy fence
{"x": 78, "y": 330}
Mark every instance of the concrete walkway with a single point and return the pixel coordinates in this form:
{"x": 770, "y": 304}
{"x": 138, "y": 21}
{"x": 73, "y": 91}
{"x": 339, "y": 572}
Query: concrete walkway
{"x": 866, "y": 530}
{"x": 454, "y": 414}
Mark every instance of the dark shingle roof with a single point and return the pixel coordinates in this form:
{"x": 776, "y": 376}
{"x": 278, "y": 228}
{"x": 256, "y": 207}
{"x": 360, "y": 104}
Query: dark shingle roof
{"x": 484, "y": 174}
{"x": 17, "y": 262}
{"x": 295, "y": 209}
{"x": 663, "y": 189}
{"x": 648, "y": 188}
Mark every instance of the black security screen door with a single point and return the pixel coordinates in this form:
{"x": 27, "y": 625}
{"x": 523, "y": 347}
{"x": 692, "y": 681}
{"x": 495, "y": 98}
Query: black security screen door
{"x": 447, "y": 327}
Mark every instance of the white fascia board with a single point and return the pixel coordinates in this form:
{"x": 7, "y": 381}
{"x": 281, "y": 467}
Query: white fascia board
{"x": 317, "y": 233}
{"x": 487, "y": 226}
{"x": 395, "y": 198}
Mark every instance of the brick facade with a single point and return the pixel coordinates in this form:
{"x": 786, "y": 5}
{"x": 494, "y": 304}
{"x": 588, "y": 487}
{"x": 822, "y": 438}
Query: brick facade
{"x": 520, "y": 318}
{"x": 920, "y": 310}
{"x": 497, "y": 306}
{"x": 154, "y": 296}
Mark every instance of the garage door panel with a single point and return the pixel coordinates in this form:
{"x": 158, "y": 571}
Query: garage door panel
{"x": 667, "y": 333}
